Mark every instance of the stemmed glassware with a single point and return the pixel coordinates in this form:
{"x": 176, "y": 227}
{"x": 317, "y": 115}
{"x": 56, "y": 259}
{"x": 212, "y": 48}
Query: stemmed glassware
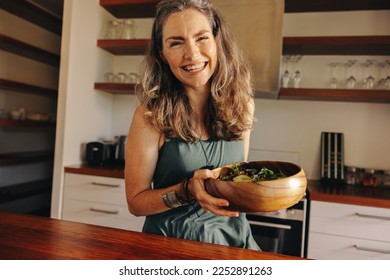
{"x": 291, "y": 72}
{"x": 368, "y": 79}
{"x": 333, "y": 77}
{"x": 286, "y": 72}
{"x": 351, "y": 80}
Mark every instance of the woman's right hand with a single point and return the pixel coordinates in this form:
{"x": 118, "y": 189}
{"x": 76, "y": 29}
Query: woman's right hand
{"x": 196, "y": 187}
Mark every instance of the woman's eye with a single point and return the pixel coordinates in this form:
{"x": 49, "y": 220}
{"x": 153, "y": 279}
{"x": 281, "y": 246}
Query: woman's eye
{"x": 173, "y": 44}
{"x": 203, "y": 38}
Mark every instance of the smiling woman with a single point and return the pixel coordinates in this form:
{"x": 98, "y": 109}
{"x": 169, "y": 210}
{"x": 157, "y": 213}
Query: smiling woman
{"x": 196, "y": 111}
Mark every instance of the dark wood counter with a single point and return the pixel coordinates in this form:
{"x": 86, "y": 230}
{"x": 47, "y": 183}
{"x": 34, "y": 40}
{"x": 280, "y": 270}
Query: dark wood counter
{"x": 358, "y": 195}
{"x": 32, "y": 237}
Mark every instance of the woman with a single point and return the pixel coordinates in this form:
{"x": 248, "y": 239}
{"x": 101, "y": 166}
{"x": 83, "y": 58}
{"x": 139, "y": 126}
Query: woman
{"x": 196, "y": 113}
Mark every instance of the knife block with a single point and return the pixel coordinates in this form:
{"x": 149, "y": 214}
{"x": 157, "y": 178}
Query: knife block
{"x": 332, "y": 157}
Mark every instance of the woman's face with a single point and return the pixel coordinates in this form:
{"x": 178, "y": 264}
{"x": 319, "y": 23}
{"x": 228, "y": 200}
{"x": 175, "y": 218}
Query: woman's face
{"x": 189, "y": 48}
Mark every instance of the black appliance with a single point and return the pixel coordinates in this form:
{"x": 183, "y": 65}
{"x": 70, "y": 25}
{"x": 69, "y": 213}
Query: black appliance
{"x": 100, "y": 153}
{"x": 120, "y": 149}
{"x": 283, "y": 232}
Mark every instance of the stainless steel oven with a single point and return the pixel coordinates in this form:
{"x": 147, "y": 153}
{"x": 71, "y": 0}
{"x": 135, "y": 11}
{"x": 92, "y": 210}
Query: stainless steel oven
{"x": 283, "y": 232}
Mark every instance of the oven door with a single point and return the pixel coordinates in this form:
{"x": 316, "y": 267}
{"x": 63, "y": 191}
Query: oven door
{"x": 280, "y": 232}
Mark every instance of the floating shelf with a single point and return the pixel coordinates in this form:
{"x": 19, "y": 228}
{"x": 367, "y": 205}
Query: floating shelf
{"x": 20, "y": 48}
{"x": 301, "y": 6}
{"x": 6, "y": 123}
{"x": 130, "y": 8}
{"x": 348, "y": 95}
{"x": 34, "y": 14}
{"x": 337, "y": 45}
{"x": 26, "y": 88}
{"x": 116, "y": 88}
{"x": 124, "y": 47}
{"x": 25, "y": 157}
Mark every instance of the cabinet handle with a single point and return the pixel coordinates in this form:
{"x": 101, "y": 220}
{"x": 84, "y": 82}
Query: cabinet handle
{"x": 106, "y": 185}
{"x": 271, "y": 225}
{"x": 361, "y": 248}
{"x": 373, "y": 216}
{"x": 113, "y": 212}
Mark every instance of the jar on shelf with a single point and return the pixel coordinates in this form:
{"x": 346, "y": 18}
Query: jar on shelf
{"x": 386, "y": 178}
{"x": 372, "y": 177}
{"x": 353, "y": 175}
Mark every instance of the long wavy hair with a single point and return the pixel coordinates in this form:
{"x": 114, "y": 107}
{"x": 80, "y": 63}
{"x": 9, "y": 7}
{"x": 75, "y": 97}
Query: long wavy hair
{"x": 167, "y": 106}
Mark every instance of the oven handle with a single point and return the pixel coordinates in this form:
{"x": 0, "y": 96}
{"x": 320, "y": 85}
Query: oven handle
{"x": 272, "y": 225}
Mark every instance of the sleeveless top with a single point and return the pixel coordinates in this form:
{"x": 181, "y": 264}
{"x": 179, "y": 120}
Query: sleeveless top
{"x": 178, "y": 160}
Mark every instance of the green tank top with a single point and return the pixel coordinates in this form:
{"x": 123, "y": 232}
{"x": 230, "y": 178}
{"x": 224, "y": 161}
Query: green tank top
{"x": 178, "y": 160}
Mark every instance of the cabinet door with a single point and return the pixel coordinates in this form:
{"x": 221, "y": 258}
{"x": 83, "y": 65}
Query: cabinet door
{"x": 332, "y": 247}
{"x": 350, "y": 220}
{"x": 95, "y": 188}
{"x": 101, "y": 214}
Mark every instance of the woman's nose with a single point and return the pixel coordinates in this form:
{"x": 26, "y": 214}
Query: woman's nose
{"x": 191, "y": 51}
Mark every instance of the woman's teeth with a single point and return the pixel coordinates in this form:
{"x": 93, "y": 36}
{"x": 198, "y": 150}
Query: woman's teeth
{"x": 194, "y": 68}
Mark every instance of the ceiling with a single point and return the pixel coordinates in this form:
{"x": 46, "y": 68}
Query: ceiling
{"x": 53, "y": 6}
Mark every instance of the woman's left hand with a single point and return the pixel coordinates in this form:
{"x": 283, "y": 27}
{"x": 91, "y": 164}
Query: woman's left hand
{"x": 209, "y": 203}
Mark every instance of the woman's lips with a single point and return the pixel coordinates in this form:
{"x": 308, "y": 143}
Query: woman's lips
{"x": 194, "y": 67}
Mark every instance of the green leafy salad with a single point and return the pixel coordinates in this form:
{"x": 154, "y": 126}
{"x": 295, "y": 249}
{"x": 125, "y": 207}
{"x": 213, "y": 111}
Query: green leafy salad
{"x": 241, "y": 174}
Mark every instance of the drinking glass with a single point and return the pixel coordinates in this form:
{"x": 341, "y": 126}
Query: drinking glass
{"x": 351, "y": 80}
{"x": 333, "y": 76}
{"x": 127, "y": 29}
{"x": 368, "y": 79}
{"x": 286, "y": 73}
{"x": 296, "y": 77}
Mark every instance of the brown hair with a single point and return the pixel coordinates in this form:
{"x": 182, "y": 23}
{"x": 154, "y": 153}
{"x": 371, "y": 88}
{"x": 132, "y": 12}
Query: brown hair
{"x": 168, "y": 108}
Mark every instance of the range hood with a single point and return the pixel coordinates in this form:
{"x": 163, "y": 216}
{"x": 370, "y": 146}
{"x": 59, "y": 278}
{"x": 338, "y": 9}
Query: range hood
{"x": 258, "y": 25}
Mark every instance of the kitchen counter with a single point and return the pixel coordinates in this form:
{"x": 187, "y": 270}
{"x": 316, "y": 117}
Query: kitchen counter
{"x": 33, "y": 237}
{"x": 358, "y": 195}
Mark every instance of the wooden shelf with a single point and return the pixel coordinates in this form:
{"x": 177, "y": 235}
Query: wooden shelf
{"x": 25, "y": 157}
{"x": 124, "y": 47}
{"x": 116, "y": 88}
{"x": 20, "y": 48}
{"x": 26, "y": 88}
{"x": 130, "y": 8}
{"x": 348, "y": 95}
{"x": 301, "y": 6}
{"x": 6, "y": 123}
{"x": 337, "y": 45}
{"x": 34, "y": 14}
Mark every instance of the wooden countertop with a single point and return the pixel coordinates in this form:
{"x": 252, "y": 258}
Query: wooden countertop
{"x": 358, "y": 195}
{"x": 38, "y": 238}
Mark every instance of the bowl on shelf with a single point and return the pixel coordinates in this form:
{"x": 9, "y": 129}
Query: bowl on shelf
{"x": 261, "y": 196}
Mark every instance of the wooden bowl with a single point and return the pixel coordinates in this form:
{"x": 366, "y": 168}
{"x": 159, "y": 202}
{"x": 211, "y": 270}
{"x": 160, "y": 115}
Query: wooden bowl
{"x": 262, "y": 196}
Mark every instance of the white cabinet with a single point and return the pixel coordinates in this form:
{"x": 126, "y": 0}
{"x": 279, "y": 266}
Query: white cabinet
{"x": 344, "y": 231}
{"x": 98, "y": 200}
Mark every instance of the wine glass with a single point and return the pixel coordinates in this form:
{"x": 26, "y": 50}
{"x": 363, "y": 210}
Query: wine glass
{"x": 351, "y": 80}
{"x": 286, "y": 73}
{"x": 387, "y": 71}
{"x": 296, "y": 77}
{"x": 333, "y": 77}
{"x": 368, "y": 79}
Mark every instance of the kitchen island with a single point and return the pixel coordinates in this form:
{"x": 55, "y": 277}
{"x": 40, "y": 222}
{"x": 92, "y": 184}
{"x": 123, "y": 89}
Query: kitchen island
{"x": 26, "y": 237}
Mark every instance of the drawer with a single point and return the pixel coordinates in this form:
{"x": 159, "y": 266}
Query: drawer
{"x": 95, "y": 188}
{"x": 371, "y": 223}
{"x": 330, "y": 247}
{"x": 108, "y": 215}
